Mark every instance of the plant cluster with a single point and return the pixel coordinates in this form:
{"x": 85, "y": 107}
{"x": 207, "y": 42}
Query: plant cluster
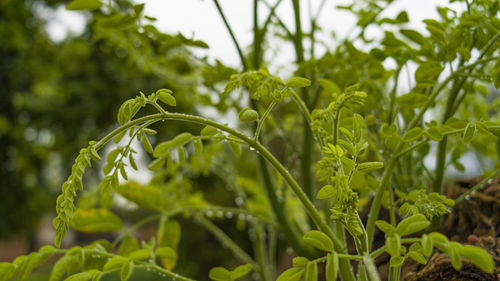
{"x": 360, "y": 144}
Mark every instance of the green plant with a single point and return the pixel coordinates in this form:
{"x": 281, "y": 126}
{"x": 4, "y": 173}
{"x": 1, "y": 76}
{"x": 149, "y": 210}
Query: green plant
{"x": 359, "y": 138}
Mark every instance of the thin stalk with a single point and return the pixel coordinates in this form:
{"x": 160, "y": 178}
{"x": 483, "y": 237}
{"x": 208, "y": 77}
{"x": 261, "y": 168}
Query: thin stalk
{"x": 233, "y": 37}
{"x": 392, "y": 113}
{"x": 280, "y": 22}
{"x": 260, "y": 252}
{"x": 271, "y": 248}
{"x": 228, "y": 242}
{"x": 375, "y": 207}
{"x": 299, "y": 49}
{"x": 257, "y": 44}
{"x": 476, "y": 187}
{"x": 263, "y": 120}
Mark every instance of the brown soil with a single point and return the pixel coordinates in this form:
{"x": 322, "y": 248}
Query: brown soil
{"x": 475, "y": 221}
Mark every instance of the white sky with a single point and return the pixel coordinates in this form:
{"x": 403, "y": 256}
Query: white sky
{"x": 199, "y": 19}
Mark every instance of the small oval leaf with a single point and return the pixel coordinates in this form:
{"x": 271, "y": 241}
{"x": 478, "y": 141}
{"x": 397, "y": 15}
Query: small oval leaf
{"x": 298, "y": 82}
{"x": 412, "y": 224}
{"x": 95, "y": 221}
{"x": 319, "y": 240}
{"x": 413, "y": 134}
{"x": 478, "y": 257}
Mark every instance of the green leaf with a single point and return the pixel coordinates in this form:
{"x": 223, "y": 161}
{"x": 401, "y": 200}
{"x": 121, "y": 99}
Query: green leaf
{"x": 95, "y": 221}
{"x": 141, "y": 254}
{"x": 82, "y": 276}
{"x": 319, "y": 240}
{"x": 115, "y": 262}
{"x": 454, "y": 253}
{"x": 292, "y": 274}
{"x": 169, "y": 233}
{"x": 311, "y": 273}
{"x": 413, "y": 134}
{"x": 146, "y": 144}
{"x": 167, "y": 98}
{"x": 241, "y": 271}
{"x": 168, "y": 256}
{"x": 469, "y": 133}
{"x": 413, "y": 35}
{"x": 439, "y": 241}
{"x": 79, "y": 5}
{"x": 329, "y": 86}
{"x": 412, "y": 225}
{"x": 427, "y": 245}
{"x": 434, "y": 134}
{"x": 94, "y": 154}
{"x": 427, "y": 73}
{"x": 61, "y": 266}
{"x": 236, "y": 148}
{"x": 396, "y": 261}
{"x": 248, "y": 115}
{"x": 478, "y": 257}
{"x": 418, "y": 257}
{"x": 332, "y": 266}
{"x": 393, "y": 245}
{"x": 128, "y": 245}
{"x": 127, "y": 111}
{"x": 162, "y": 149}
{"x": 126, "y": 271}
{"x": 299, "y": 262}
{"x": 156, "y": 164}
{"x": 298, "y": 82}
{"x": 209, "y": 131}
{"x": 387, "y": 228}
{"x": 132, "y": 162}
{"x": 219, "y": 274}
{"x": 198, "y": 146}
{"x": 412, "y": 100}
{"x": 369, "y": 166}
{"x": 7, "y": 270}
{"x": 326, "y": 192}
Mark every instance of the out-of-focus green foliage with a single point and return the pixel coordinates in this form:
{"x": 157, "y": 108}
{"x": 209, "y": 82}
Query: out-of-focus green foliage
{"x": 55, "y": 94}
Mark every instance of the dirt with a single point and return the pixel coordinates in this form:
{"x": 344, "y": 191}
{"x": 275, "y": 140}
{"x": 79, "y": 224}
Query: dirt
{"x": 475, "y": 221}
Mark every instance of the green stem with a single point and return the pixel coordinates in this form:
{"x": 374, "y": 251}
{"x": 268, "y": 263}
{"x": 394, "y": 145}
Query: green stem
{"x": 476, "y": 187}
{"x": 299, "y": 49}
{"x": 257, "y": 44}
{"x": 375, "y": 207}
{"x": 394, "y": 273}
{"x": 308, "y": 205}
{"x": 260, "y": 252}
{"x": 370, "y": 267}
{"x": 228, "y": 242}
{"x": 233, "y": 37}
{"x": 263, "y": 120}
{"x": 392, "y": 113}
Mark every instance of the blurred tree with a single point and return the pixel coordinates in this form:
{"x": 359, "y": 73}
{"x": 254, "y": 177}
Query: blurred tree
{"x": 56, "y": 94}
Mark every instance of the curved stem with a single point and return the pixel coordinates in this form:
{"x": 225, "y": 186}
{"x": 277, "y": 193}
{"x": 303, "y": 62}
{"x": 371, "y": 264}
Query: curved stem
{"x": 308, "y": 205}
{"x": 263, "y": 119}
